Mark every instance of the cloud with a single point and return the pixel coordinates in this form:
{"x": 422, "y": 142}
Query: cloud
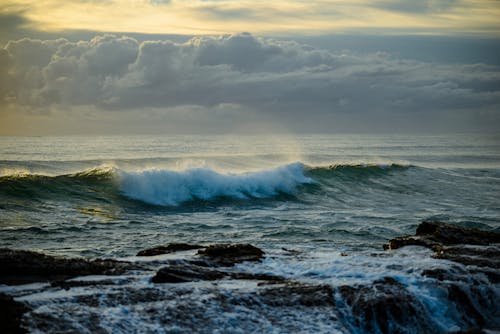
{"x": 418, "y": 7}
{"x": 238, "y": 75}
{"x": 279, "y": 17}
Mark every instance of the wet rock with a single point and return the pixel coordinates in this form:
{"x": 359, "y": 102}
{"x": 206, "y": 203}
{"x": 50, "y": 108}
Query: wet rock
{"x": 170, "y": 248}
{"x": 11, "y": 313}
{"x": 292, "y": 293}
{"x": 68, "y": 284}
{"x": 400, "y": 242}
{"x": 448, "y": 234}
{"x": 21, "y": 267}
{"x": 435, "y": 235}
{"x": 180, "y": 272}
{"x": 469, "y": 284}
{"x": 465, "y": 305}
{"x": 230, "y": 254}
{"x": 385, "y": 306}
{"x": 470, "y": 247}
{"x": 184, "y": 271}
{"x": 480, "y": 256}
{"x": 470, "y": 331}
{"x": 445, "y": 274}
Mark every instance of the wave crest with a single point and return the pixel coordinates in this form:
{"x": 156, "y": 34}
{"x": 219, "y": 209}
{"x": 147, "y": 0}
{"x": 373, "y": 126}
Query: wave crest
{"x": 171, "y": 188}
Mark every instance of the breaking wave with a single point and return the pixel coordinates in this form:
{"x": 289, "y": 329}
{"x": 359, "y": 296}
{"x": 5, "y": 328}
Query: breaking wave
{"x": 167, "y": 187}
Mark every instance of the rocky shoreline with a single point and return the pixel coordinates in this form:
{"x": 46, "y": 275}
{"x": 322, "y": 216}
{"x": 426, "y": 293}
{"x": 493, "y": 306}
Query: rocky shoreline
{"x": 470, "y": 282}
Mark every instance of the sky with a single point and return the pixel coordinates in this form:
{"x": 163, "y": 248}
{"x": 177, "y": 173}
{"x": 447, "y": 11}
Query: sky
{"x": 229, "y": 66}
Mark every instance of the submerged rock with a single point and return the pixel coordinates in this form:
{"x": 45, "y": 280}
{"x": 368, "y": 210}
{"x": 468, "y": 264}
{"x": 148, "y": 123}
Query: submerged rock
{"x": 170, "y": 248}
{"x": 385, "y": 306}
{"x": 230, "y": 254}
{"x": 11, "y": 313}
{"x": 20, "y": 267}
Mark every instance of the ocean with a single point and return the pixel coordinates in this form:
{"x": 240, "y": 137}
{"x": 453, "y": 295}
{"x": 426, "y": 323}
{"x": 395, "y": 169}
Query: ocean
{"x": 320, "y": 206}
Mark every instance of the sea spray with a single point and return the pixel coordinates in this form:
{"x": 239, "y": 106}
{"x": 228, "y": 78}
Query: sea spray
{"x": 168, "y": 187}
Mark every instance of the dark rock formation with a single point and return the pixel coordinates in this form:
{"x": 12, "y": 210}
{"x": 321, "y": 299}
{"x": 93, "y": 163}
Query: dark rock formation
{"x": 466, "y": 246}
{"x": 292, "y": 294}
{"x": 184, "y": 271}
{"x": 11, "y": 313}
{"x": 228, "y": 255}
{"x": 180, "y": 271}
{"x": 448, "y": 234}
{"x": 170, "y": 248}
{"x": 435, "y": 235}
{"x": 469, "y": 284}
{"x": 385, "y": 306}
{"x": 480, "y": 256}
{"x": 20, "y": 267}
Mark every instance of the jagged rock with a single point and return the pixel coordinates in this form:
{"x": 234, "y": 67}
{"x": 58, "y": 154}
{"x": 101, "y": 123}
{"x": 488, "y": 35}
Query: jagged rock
{"x": 11, "y": 313}
{"x": 20, "y": 267}
{"x": 170, "y": 248}
{"x": 470, "y": 247}
{"x": 448, "y": 234}
{"x": 400, "y": 242}
{"x": 435, "y": 235}
{"x": 480, "y": 256}
{"x": 385, "y": 306}
{"x": 469, "y": 284}
{"x": 229, "y": 255}
{"x": 184, "y": 271}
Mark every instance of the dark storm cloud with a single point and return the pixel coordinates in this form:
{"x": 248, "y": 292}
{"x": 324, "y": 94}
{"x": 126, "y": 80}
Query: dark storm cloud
{"x": 265, "y": 75}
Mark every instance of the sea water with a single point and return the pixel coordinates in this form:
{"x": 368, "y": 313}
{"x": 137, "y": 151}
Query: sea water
{"x": 318, "y": 195}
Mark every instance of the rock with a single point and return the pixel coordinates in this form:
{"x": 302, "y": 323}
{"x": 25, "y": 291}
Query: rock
{"x": 68, "y": 284}
{"x": 469, "y": 284}
{"x": 470, "y": 247}
{"x": 228, "y": 255}
{"x": 435, "y": 235}
{"x": 21, "y": 267}
{"x": 411, "y": 241}
{"x": 170, "y": 248}
{"x": 463, "y": 302}
{"x": 448, "y": 234}
{"x": 385, "y": 306}
{"x": 179, "y": 271}
{"x": 480, "y": 256}
{"x": 11, "y": 313}
{"x": 292, "y": 294}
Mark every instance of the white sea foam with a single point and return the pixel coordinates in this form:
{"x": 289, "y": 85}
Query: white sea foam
{"x": 168, "y": 187}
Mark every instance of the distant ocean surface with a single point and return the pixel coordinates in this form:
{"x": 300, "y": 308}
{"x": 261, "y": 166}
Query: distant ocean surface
{"x": 318, "y": 194}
